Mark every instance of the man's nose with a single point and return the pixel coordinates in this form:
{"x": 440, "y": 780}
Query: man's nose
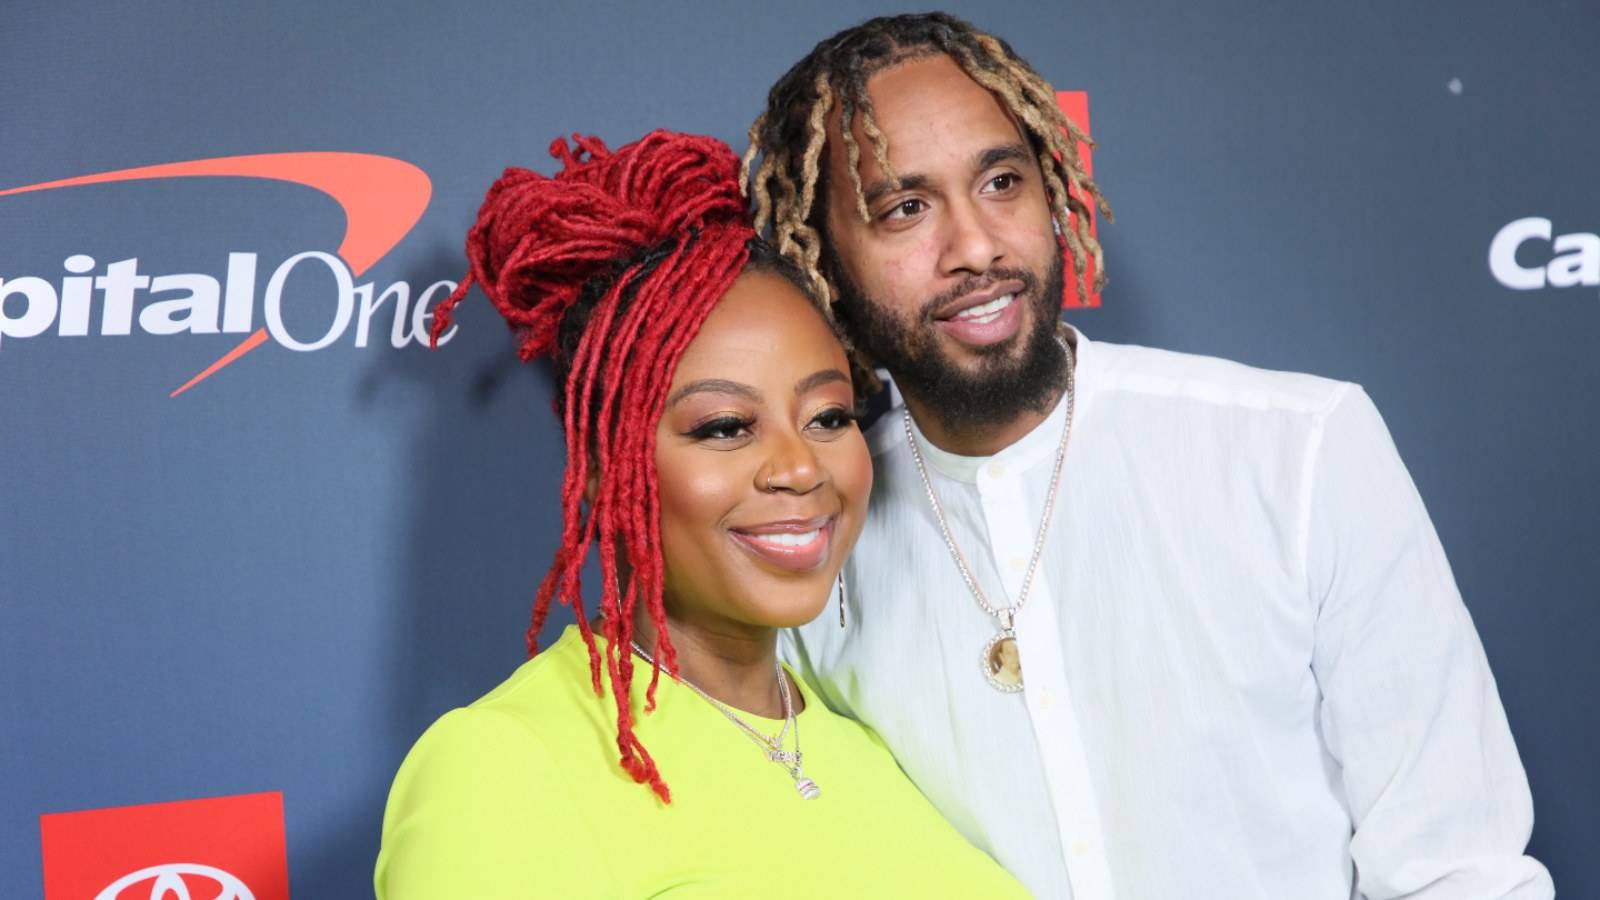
{"x": 969, "y": 245}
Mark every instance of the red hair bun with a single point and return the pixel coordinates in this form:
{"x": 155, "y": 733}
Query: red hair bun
{"x": 538, "y": 239}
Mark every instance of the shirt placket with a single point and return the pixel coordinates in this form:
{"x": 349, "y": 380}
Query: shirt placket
{"x": 1011, "y": 523}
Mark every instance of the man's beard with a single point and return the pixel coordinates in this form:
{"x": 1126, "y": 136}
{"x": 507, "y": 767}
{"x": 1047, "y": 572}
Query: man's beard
{"x": 1005, "y": 383}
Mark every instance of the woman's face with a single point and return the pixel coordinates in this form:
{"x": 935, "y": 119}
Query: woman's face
{"x": 763, "y": 473}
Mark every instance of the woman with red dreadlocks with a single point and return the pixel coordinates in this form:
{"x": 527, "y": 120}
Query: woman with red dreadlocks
{"x": 714, "y": 465}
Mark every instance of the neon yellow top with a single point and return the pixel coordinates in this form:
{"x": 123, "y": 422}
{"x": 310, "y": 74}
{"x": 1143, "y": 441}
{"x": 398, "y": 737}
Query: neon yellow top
{"x": 520, "y": 795}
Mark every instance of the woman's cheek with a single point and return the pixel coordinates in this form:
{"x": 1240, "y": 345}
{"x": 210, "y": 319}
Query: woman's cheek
{"x": 853, "y": 474}
{"x": 699, "y": 489}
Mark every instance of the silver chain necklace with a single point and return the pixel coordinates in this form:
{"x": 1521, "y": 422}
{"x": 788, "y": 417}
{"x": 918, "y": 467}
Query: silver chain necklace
{"x": 1001, "y": 665}
{"x": 772, "y": 744}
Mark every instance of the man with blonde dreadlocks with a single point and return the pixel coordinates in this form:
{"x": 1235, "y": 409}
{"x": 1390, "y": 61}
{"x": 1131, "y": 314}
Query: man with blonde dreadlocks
{"x": 1141, "y": 624}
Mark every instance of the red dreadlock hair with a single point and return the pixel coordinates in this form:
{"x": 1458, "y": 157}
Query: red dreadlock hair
{"x": 610, "y": 267}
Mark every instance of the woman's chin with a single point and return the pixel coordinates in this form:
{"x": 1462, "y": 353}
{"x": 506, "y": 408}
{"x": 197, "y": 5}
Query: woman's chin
{"x": 785, "y": 599}
{"x": 771, "y": 612}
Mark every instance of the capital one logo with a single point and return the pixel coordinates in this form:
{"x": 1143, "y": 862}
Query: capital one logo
{"x": 382, "y": 199}
{"x": 1527, "y": 255}
{"x": 218, "y": 848}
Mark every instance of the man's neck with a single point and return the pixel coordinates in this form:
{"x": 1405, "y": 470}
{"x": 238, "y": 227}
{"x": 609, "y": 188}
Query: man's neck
{"x": 734, "y": 664}
{"x": 986, "y": 440}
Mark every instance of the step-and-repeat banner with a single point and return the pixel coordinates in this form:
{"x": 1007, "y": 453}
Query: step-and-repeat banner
{"x": 254, "y": 536}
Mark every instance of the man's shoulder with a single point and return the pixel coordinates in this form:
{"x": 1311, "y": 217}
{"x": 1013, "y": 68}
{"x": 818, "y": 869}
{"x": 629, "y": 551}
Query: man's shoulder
{"x": 1132, "y": 370}
{"x": 1109, "y": 372}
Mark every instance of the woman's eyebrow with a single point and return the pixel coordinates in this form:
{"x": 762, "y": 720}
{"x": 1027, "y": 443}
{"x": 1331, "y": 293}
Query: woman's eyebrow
{"x": 715, "y": 386}
{"x": 819, "y": 378}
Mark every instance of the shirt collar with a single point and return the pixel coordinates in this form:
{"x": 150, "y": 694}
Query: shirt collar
{"x": 1038, "y": 444}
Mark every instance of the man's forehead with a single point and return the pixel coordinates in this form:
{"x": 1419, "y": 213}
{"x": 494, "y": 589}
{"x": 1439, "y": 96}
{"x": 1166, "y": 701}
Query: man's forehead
{"x": 913, "y": 102}
{"x": 929, "y": 79}
{"x": 901, "y": 55}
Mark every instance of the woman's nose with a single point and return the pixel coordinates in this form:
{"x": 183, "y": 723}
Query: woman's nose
{"x": 791, "y": 465}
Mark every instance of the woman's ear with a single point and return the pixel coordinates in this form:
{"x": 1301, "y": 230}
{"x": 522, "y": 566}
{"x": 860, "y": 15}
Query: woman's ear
{"x": 591, "y": 488}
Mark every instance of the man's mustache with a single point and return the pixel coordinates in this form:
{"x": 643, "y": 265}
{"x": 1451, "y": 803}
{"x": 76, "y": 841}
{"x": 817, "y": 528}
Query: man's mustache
{"x": 974, "y": 283}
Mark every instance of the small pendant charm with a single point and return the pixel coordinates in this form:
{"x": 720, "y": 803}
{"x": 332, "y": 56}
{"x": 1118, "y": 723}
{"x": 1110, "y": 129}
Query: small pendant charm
{"x": 1002, "y": 667}
{"x": 808, "y": 789}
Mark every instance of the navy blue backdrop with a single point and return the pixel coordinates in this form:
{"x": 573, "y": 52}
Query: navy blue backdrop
{"x": 276, "y": 579}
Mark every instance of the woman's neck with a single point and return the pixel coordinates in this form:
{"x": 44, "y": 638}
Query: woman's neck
{"x": 733, "y": 663}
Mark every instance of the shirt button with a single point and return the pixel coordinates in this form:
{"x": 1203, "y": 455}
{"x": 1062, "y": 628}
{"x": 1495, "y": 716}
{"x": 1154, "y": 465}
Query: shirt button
{"x": 1017, "y": 563}
{"x": 1046, "y": 699}
{"x": 1080, "y": 848}
{"x": 997, "y": 470}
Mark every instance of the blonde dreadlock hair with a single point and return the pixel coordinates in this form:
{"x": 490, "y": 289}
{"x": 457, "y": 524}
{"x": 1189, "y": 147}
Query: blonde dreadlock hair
{"x": 789, "y": 185}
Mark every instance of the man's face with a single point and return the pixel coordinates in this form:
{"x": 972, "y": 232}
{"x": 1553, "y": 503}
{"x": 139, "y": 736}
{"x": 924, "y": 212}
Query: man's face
{"x": 955, "y": 281}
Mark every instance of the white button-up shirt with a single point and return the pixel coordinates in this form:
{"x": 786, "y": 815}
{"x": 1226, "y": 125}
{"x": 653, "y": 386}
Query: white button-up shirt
{"x": 1248, "y": 671}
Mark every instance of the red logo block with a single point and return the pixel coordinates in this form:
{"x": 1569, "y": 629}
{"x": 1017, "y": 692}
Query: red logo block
{"x": 1075, "y": 105}
{"x": 220, "y": 848}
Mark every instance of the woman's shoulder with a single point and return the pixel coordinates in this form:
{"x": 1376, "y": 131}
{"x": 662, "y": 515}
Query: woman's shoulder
{"x": 483, "y": 785}
{"x": 479, "y": 809}
{"x": 548, "y": 690}
{"x": 475, "y": 751}
{"x": 517, "y": 732}
{"x": 551, "y": 697}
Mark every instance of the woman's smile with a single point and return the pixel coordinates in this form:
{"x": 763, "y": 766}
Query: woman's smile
{"x": 794, "y": 545}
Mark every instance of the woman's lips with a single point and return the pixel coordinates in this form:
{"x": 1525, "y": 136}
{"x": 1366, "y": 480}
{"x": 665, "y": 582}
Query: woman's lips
{"x": 797, "y": 545}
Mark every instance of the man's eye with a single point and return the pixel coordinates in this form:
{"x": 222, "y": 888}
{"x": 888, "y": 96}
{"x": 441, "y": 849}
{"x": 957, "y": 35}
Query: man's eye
{"x": 1004, "y": 182}
{"x": 725, "y": 428}
{"x": 905, "y": 209}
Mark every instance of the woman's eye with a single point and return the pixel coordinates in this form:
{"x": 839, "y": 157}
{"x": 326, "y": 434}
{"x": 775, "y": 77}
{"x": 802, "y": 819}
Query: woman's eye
{"x": 905, "y": 209}
{"x": 726, "y": 428}
{"x": 834, "y": 419}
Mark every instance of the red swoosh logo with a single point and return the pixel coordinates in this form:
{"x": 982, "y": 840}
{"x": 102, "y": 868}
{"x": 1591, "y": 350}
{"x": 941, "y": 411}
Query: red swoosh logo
{"x": 382, "y": 199}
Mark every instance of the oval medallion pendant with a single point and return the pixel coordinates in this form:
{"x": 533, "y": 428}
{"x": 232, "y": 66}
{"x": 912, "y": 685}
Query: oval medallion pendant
{"x": 1002, "y": 667}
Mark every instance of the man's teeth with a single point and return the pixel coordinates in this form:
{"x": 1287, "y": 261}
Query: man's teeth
{"x": 789, "y": 539}
{"x": 985, "y": 312}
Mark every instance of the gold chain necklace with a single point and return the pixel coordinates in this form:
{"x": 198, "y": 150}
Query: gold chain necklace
{"x": 772, "y": 744}
{"x": 1000, "y": 661}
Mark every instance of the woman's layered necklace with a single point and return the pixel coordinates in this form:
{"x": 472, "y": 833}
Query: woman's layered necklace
{"x": 772, "y": 744}
{"x": 999, "y": 661}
